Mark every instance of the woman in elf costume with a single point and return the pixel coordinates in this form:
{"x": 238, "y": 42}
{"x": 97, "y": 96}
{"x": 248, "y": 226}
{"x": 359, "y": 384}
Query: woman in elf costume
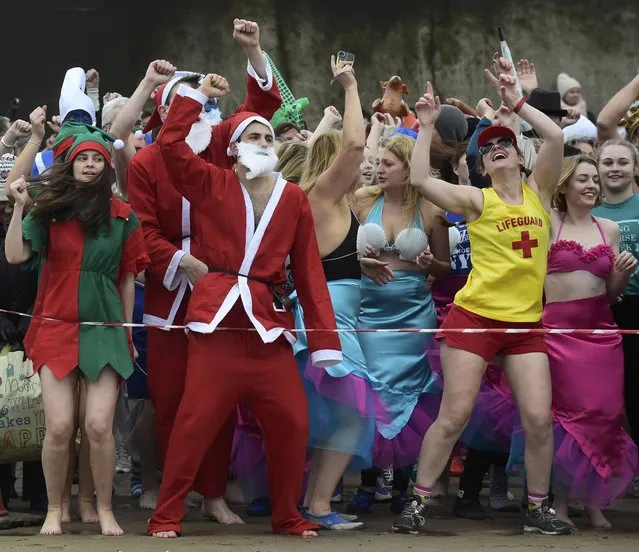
{"x": 90, "y": 247}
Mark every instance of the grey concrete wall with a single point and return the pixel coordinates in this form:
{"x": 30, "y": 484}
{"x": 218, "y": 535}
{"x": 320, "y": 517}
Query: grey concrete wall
{"x": 446, "y": 41}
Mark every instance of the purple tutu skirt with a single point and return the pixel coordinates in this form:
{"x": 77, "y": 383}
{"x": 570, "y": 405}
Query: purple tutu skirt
{"x": 595, "y": 459}
{"x": 491, "y": 424}
{"x": 403, "y": 450}
{"x": 248, "y": 460}
{"x": 578, "y": 475}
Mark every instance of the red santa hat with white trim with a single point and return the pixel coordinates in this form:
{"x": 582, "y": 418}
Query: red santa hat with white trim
{"x": 239, "y": 122}
{"x": 161, "y": 96}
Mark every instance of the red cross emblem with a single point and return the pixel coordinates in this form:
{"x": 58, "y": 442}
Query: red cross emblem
{"x": 525, "y": 244}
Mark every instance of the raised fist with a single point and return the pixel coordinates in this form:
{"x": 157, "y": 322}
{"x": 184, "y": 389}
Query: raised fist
{"x": 93, "y": 78}
{"x": 19, "y": 192}
{"x": 159, "y": 72}
{"x": 246, "y": 33}
{"x": 214, "y": 86}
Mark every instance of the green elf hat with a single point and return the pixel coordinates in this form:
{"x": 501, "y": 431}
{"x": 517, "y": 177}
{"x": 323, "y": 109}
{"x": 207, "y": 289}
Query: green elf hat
{"x": 75, "y": 137}
{"x": 65, "y": 138}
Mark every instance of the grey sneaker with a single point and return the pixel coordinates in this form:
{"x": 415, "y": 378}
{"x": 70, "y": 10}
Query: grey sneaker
{"x": 122, "y": 459}
{"x": 544, "y": 520}
{"x": 413, "y": 516}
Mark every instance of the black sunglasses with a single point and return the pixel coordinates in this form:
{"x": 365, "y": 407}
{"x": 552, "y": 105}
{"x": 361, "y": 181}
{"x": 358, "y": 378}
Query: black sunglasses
{"x": 502, "y": 143}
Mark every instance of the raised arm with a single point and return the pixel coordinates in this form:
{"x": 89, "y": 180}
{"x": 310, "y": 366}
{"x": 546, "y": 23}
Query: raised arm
{"x": 329, "y": 121}
{"x": 17, "y": 249}
{"x": 615, "y": 110}
{"x": 464, "y": 200}
{"x": 338, "y": 178}
{"x": 547, "y": 169}
{"x": 18, "y": 129}
{"x": 379, "y": 122}
{"x": 197, "y": 180}
{"x": 24, "y": 162}
{"x": 262, "y": 95}
{"x": 158, "y": 72}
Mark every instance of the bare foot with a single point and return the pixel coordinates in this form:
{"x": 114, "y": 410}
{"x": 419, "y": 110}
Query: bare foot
{"x": 53, "y": 523}
{"x": 309, "y": 534}
{"x": 562, "y": 514}
{"x": 234, "y": 493}
{"x": 148, "y": 499}
{"x": 87, "y": 512}
{"x": 216, "y": 508}
{"x": 109, "y": 526}
{"x": 597, "y": 519}
{"x": 165, "y": 535}
{"x": 66, "y": 512}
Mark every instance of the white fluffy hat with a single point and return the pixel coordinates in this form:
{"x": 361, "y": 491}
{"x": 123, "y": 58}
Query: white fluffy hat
{"x": 565, "y": 82}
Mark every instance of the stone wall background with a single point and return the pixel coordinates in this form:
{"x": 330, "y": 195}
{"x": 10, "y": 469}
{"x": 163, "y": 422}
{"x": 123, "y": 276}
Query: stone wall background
{"x": 446, "y": 41}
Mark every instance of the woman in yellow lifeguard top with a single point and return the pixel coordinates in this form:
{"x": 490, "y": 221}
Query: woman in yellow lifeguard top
{"x": 509, "y": 229}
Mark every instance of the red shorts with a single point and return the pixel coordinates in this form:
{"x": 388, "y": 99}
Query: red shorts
{"x": 489, "y": 345}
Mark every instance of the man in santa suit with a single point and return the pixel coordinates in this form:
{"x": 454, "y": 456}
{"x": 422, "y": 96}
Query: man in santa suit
{"x": 250, "y": 220}
{"x": 169, "y": 227}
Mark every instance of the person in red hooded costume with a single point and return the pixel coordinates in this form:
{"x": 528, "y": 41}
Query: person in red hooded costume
{"x": 169, "y": 229}
{"x": 251, "y": 220}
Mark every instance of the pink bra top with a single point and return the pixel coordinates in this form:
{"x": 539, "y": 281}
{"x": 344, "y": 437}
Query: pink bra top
{"x": 569, "y": 256}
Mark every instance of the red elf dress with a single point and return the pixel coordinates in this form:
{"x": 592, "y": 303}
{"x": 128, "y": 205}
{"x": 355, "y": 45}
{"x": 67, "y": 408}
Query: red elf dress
{"x": 79, "y": 275}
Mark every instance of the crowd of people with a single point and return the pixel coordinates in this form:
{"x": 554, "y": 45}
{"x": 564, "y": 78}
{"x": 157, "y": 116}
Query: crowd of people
{"x": 213, "y": 296}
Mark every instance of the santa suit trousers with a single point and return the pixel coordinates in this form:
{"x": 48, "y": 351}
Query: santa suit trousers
{"x": 167, "y": 354}
{"x": 224, "y": 368}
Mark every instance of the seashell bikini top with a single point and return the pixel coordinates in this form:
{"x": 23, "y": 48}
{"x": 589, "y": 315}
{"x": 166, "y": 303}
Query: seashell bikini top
{"x": 569, "y": 256}
{"x": 409, "y": 243}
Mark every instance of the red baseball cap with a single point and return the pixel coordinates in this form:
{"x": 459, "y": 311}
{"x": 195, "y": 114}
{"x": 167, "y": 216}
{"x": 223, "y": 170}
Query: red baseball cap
{"x": 496, "y": 131}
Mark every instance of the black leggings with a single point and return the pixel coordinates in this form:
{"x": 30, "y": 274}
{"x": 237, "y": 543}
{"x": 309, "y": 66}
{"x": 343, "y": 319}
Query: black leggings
{"x": 476, "y": 466}
{"x": 627, "y": 318}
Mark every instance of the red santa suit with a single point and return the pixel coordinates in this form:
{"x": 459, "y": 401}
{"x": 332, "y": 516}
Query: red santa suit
{"x": 253, "y": 361}
{"x": 169, "y": 228}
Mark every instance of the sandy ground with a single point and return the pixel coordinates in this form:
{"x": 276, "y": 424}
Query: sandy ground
{"x": 443, "y": 533}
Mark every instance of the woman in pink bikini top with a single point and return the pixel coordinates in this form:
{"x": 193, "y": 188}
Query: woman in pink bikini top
{"x": 570, "y": 255}
{"x": 594, "y": 458}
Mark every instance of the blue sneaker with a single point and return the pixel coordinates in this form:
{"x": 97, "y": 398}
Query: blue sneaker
{"x": 348, "y": 517}
{"x": 260, "y": 507}
{"x": 384, "y": 485}
{"x": 136, "y": 479}
{"x": 361, "y": 502}
{"x": 333, "y": 521}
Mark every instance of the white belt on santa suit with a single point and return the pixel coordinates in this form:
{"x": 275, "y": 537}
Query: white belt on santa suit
{"x": 181, "y": 283}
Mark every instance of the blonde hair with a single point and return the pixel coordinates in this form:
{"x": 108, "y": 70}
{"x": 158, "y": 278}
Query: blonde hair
{"x": 401, "y": 146}
{"x": 319, "y": 158}
{"x": 568, "y": 168}
{"x": 291, "y": 159}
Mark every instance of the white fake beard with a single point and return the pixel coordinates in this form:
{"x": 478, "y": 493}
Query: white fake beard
{"x": 201, "y": 131}
{"x": 258, "y": 160}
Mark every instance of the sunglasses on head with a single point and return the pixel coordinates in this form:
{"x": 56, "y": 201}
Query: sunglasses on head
{"x": 502, "y": 143}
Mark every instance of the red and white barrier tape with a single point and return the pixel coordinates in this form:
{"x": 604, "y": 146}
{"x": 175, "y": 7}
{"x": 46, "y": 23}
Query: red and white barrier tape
{"x": 385, "y": 330}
